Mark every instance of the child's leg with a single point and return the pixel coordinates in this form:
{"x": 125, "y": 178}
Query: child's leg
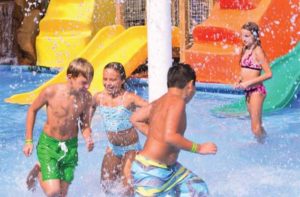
{"x": 32, "y": 177}
{"x": 64, "y": 188}
{"x": 52, "y": 188}
{"x": 126, "y": 172}
{"x": 255, "y": 108}
{"x": 50, "y": 177}
{"x": 110, "y": 170}
{"x": 191, "y": 185}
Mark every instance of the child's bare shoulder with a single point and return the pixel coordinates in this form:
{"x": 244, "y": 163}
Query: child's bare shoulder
{"x": 97, "y": 97}
{"x": 130, "y": 95}
{"x": 52, "y": 89}
{"x": 258, "y": 50}
{"x": 176, "y": 100}
{"x": 133, "y": 98}
{"x": 259, "y": 54}
{"x": 58, "y": 86}
{"x": 170, "y": 102}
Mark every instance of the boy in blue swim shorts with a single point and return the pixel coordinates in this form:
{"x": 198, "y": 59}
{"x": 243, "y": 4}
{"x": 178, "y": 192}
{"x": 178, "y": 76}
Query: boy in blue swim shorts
{"x": 68, "y": 105}
{"x": 155, "y": 170}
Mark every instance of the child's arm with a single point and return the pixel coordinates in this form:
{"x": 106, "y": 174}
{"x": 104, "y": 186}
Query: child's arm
{"x": 175, "y": 138}
{"x": 140, "y": 117}
{"x": 86, "y": 122}
{"x": 94, "y": 105}
{"x": 39, "y": 102}
{"x": 237, "y": 82}
{"x": 139, "y": 101}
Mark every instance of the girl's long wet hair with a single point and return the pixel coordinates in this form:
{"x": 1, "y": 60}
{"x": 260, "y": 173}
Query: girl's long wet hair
{"x": 119, "y": 68}
{"x": 254, "y": 29}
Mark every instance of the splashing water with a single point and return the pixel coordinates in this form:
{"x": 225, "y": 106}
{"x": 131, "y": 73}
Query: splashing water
{"x": 241, "y": 168}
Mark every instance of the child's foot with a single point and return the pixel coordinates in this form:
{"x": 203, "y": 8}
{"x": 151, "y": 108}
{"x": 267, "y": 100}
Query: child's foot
{"x": 32, "y": 177}
{"x": 261, "y": 138}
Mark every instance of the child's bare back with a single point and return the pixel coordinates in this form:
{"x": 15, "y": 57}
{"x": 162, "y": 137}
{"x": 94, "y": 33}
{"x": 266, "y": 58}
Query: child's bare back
{"x": 155, "y": 171}
{"x": 171, "y": 109}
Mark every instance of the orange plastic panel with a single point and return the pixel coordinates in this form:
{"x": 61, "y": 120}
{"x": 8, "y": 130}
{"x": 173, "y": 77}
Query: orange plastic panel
{"x": 215, "y": 53}
{"x": 238, "y": 4}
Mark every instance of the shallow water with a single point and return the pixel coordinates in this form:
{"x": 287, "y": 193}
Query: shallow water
{"x": 241, "y": 168}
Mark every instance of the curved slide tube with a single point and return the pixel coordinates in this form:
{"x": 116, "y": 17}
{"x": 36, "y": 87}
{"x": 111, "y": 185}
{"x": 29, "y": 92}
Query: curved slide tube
{"x": 281, "y": 89}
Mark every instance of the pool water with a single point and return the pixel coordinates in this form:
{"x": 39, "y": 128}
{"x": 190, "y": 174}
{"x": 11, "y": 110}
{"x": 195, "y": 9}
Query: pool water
{"x": 241, "y": 168}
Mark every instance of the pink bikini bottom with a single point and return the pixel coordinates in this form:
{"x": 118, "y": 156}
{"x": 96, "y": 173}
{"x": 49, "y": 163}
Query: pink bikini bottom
{"x": 258, "y": 88}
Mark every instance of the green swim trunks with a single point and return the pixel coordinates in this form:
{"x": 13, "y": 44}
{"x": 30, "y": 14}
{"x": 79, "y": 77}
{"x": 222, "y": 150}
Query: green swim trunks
{"x": 58, "y": 159}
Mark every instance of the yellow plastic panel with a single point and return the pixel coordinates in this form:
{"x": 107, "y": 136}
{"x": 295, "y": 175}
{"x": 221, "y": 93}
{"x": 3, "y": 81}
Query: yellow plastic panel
{"x": 128, "y": 48}
{"x": 101, "y": 39}
{"x": 68, "y": 27}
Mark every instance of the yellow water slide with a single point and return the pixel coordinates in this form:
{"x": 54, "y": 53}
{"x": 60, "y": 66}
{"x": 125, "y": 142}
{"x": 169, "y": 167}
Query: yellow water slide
{"x": 67, "y": 28}
{"x": 100, "y": 41}
{"x": 128, "y": 48}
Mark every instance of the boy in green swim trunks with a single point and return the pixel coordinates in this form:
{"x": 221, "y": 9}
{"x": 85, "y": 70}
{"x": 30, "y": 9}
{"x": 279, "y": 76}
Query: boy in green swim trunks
{"x": 155, "y": 171}
{"x": 68, "y": 106}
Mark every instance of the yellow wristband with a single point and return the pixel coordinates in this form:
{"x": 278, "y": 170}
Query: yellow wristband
{"x": 28, "y": 141}
{"x": 194, "y": 148}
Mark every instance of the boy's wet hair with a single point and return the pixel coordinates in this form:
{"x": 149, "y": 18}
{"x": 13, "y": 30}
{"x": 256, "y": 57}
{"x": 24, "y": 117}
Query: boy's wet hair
{"x": 179, "y": 75}
{"x": 81, "y": 66}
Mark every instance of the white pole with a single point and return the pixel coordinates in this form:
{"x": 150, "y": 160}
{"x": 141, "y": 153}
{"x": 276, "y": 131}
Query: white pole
{"x": 159, "y": 46}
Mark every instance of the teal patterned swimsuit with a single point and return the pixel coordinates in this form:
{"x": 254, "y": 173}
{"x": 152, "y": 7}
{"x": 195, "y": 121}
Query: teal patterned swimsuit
{"x": 117, "y": 119}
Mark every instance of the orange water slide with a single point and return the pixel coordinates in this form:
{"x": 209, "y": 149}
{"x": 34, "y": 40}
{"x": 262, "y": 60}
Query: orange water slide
{"x": 215, "y": 53}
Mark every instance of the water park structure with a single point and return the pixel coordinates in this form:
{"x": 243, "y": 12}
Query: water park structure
{"x": 128, "y": 32}
{"x": 211, "y": 47}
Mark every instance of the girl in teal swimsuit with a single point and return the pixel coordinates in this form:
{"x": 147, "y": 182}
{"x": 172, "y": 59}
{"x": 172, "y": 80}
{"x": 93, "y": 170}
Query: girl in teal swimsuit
{"x": 116, "y": 106}
{"x": 253, "y": 61}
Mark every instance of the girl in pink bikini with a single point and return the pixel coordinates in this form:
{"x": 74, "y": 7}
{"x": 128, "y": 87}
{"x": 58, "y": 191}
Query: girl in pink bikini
{"x": 253, "y": 60}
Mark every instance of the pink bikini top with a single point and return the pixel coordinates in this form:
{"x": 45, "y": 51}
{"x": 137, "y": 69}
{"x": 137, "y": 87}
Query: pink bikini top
{"x": 249, "y": 63}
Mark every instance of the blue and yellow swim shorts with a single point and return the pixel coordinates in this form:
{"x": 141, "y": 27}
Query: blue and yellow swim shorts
{"x": 151, "y": 178}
